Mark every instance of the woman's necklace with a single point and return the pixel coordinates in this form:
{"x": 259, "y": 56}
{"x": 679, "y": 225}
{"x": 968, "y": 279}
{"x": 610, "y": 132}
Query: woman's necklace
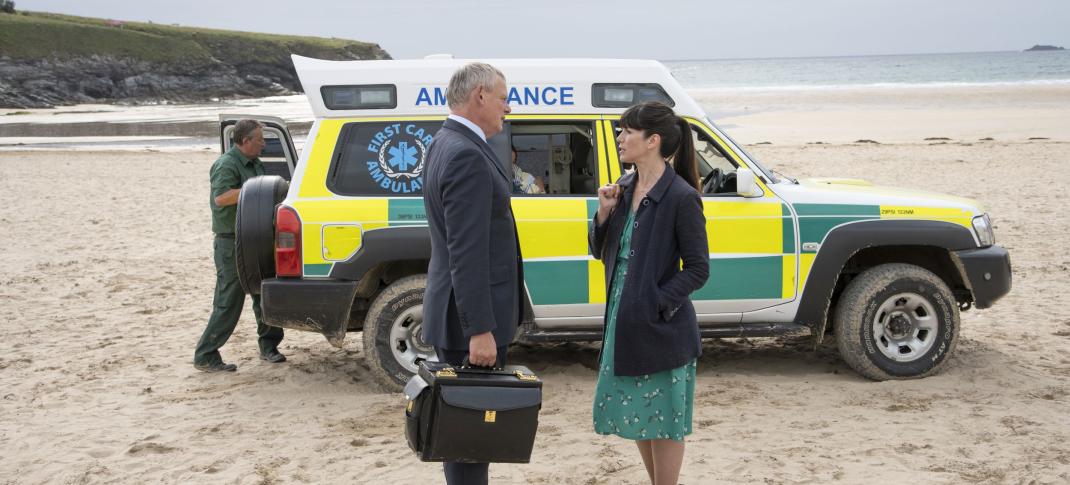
{"x": 641, "y": 191}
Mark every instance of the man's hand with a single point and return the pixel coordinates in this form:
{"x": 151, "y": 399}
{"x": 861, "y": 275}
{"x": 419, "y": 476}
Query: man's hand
{"x": 608, "y": 196}
{"x": 483, "y": 350}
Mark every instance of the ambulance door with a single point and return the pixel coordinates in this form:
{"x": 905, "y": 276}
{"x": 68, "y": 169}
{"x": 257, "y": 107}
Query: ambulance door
{"x": 560, "y": 161}
{"x": 279, "y": 155}
{"x": 751, "y": 238}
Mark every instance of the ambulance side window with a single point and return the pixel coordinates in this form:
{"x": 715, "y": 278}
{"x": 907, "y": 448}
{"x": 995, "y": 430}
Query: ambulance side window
{"x": 381, "y": 158}
{"x": 714, "y": 156}
{"x": 554, "y": 158}
{"x": 709, "y": 155}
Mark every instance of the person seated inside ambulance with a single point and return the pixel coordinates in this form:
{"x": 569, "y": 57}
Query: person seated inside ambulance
{"x": 526, "y": 183}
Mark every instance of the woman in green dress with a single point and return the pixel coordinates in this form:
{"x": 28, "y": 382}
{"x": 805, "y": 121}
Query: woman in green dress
{"x": 650, "y": 232}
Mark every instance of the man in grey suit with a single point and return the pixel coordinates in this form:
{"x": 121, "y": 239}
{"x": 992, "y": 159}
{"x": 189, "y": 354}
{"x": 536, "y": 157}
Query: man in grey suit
{"x": 472, "y": 304}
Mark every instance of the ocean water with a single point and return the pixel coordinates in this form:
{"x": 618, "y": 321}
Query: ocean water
{"x": 975, "y": 68}
{"x": 722, "y": 87}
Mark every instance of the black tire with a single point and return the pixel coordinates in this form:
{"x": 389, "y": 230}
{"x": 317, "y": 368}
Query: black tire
{"x": 254, "y": 230}
{"x": 393, "y": 343}
{"x": 896, "y": 321}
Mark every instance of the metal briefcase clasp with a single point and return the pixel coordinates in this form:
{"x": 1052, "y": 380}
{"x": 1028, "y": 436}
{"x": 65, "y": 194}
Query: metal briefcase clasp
{"x": 447, "y": 372}
{"x": 490, "y": 416}
{"x": 525, "y": 377}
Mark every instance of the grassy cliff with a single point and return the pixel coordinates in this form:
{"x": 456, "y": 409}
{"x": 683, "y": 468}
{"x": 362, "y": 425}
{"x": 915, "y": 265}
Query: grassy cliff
{"x": 34, "y": 35}
{"x": 150, "y": 61}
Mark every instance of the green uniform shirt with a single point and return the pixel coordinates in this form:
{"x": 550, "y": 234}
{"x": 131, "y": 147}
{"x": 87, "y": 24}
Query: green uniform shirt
{"x": 230, "y": 171}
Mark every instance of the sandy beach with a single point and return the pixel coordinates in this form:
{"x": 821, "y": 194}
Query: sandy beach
{"x": 107, "y": 284}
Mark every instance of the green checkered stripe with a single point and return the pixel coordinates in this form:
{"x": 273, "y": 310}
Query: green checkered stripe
{"x": 560, "y": 282}
{"x": 401, "y": 212}
{"x": 758, "y": 277}
{"x": 816, "y": 220}
{"x": 406, "y": 212}
{"x": 738, "y": 278}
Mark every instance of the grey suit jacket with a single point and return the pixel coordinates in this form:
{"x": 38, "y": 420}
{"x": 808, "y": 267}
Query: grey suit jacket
{"x": 475, "y": 278}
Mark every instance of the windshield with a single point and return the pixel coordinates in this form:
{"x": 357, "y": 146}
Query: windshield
{"x": 736, "y": 146}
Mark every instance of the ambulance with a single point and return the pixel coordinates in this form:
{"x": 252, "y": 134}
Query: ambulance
{"x": 336, "y": 240}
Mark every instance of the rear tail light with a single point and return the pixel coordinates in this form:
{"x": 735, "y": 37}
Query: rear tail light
{"x": 287, "y": 242}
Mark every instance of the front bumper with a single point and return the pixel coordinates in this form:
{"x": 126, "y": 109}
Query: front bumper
{"x": 320, "y": 306}
{"x": 987, "y": 272}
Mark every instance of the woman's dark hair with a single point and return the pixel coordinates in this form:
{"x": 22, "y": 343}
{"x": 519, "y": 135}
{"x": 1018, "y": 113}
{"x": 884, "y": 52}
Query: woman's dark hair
{"x": 655, "y": 118}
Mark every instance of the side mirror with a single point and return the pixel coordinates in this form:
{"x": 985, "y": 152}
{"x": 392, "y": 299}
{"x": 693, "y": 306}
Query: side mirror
{"x": 747, "y": 183}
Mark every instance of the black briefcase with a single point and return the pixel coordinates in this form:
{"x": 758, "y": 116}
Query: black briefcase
{"x": 472, "y": 414}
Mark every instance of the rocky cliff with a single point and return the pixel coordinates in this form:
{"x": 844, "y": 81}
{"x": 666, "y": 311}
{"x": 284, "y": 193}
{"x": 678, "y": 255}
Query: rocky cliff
{"x": 48, "y": 60}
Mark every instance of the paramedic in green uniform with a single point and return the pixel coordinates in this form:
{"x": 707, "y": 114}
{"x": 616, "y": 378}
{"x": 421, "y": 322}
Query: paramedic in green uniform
{"x": 650, "y": 232}
{"x": 228, "y": 173}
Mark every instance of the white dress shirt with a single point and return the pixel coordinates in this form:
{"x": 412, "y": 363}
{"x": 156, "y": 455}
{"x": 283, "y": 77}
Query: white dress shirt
{"x": 471, "y": 126}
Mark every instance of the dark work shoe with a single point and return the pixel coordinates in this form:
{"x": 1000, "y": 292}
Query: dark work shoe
{"x": 274, "y": 357}
{"x": 216, "y": 367}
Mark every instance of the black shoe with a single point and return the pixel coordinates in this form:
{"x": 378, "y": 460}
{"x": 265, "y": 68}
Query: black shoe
{"x": 274, "y": 357}
{"x": 216, "y": 367}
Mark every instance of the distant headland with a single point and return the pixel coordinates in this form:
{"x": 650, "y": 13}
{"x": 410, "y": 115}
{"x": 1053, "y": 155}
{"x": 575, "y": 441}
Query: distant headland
{"x": 1039, "y": 47}
{"x": 50, "y": 59}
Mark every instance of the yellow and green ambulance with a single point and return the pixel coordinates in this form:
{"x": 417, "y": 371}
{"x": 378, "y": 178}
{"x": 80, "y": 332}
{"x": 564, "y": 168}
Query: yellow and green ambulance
{"x": 337, "y": 242}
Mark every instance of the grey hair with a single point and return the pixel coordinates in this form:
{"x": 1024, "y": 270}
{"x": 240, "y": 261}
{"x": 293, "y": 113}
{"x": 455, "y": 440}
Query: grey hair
{"x": 468, "y": 78}
{"x": 243, "y": 129}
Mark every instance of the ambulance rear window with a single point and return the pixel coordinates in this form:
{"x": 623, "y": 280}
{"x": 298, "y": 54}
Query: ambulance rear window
{"x": 381, "y": 158}
{"x": 605, "y": 95}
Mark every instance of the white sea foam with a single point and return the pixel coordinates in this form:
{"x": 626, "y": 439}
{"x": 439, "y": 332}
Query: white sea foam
{"x": 289, "y": 108}
{"x": 874, "y": 86}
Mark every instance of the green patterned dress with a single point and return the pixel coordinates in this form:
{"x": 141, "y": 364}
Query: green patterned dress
{"x": 652, "y": 406}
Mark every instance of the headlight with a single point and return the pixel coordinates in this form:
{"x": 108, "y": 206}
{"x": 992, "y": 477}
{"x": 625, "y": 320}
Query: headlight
{"x": 983, "y": 225}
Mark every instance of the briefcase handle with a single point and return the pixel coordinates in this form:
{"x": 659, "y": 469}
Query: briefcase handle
{"x": 466, "y": 365}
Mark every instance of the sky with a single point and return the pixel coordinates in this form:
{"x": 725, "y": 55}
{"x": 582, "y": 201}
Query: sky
{"x": 654, "y": 29}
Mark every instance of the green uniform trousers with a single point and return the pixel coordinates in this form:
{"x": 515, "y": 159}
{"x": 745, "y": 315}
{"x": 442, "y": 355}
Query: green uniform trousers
{"x": 227, "y": 307}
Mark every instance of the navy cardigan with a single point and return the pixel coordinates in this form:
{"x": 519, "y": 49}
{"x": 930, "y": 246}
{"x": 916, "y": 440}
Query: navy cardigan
{"x": 656, "y": 325}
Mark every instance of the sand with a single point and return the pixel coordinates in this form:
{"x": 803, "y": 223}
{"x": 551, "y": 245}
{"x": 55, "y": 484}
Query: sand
{"x": 891, "y": 114}
{"x": 106, "y": 284}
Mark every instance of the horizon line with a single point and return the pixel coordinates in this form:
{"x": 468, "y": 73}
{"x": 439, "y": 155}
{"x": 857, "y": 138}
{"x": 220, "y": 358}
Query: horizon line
{"x": 692, "y": 59}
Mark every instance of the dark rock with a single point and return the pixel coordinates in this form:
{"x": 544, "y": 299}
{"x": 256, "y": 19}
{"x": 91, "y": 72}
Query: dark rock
{"x": 1039, "y": 47}
{"x": 258, "y": 80}
{"x": 50, "y": 82}
{"x": 97, "y": 87}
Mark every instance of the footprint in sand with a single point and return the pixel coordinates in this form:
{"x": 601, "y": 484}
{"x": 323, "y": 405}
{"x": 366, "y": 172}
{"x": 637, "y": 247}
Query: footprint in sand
{"x": 549, "y": 430}
{"x": 150, "y": 447}
{"x": 101, "y": 453}
{"x": 1017, "y": 424}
